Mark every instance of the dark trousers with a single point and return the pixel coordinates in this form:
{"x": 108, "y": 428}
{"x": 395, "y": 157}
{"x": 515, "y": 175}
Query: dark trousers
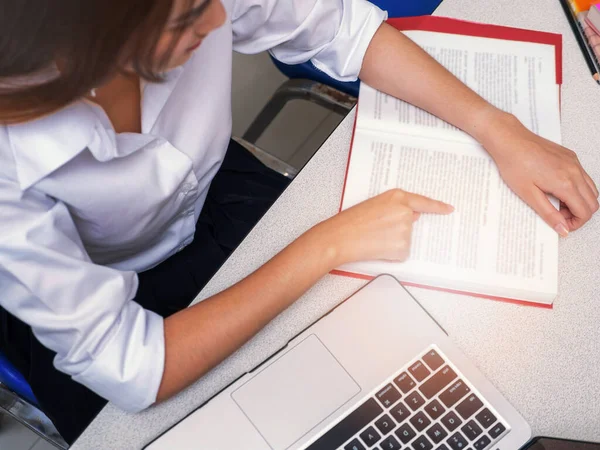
{"x": 241, "y": 192}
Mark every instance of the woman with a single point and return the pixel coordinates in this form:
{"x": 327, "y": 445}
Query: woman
{"x": 121, "y": 193}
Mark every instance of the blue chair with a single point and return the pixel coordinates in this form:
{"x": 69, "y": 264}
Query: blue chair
{"x": 17, "y": 400}
{"x": 308, "y": 83}
{"x": 11, "y": 378}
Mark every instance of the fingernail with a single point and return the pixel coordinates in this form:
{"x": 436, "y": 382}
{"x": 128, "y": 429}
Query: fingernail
{"x": 561, "y": 229}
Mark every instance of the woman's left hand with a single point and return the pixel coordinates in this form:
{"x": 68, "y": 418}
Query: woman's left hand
{"x": 530, "y": 165}
{"x": 533, "y": 167}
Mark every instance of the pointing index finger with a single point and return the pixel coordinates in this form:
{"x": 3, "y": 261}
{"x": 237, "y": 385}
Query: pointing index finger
{"x": 422, "y": 204}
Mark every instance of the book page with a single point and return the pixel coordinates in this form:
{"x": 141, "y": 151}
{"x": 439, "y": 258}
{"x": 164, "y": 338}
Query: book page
{"x": 493, "y": 243}
{"x": 517, "y": 77}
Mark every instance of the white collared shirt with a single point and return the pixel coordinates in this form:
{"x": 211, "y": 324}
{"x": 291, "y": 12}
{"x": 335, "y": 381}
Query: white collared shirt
{"x": 82, "y": 209}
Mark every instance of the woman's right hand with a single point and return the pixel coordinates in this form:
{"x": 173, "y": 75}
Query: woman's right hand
{"x": 378, "y": 228}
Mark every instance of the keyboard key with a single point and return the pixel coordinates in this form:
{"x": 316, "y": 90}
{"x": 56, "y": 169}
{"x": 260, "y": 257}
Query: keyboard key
{"x": 419, "y": 371}
{"x": 400, "y": 412}
{"x": 388, "y": 395}
{"x": 390, "y": 443}
{"x": 471, "y": 430}
{"x": 349, "y": 426}
{"x": 451, "y": 421}
{"x": 405, "y": 433}
{"x": 482, "y": 443}
{"x": 454, "y": 393}
{"x": 420, "y": 421}
{"x": 422, "y": 443}
{"x": 414, "y": 401}
{"x": 385, "y": 424}
{"x": 469, "y": 406}
{"x": 497, "y": 430}
{"x": 434, "y": 409}
{"x": 437, "y": 382}
{"x": 404, "y": 382}
{"x": 436, "y": 433}
{"x": 370, "y": 436}
{"x": 433, "y": 360}
{"x": 485, "y": 418}
{"x": 442, "y": 447}
{"x": 457, "y": 442}
{"x": 354, "y": 444}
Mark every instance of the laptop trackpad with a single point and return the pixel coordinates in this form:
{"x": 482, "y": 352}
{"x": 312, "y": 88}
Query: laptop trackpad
{"x": 295, "y": 393}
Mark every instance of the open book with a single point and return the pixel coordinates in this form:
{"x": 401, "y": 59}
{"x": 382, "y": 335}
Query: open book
{"x": 493, "y": 245}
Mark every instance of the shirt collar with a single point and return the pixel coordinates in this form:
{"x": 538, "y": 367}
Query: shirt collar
{"x": 41, "y": 146}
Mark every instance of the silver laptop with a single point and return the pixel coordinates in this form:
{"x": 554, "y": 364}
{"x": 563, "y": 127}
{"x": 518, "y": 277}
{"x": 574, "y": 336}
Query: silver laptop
{"x": 377, "y": 372}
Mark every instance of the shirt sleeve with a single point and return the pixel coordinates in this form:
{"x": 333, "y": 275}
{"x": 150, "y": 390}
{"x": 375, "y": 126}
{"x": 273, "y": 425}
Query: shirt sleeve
{"x": 333, "y": 34}
{"x": 82, "y": 311}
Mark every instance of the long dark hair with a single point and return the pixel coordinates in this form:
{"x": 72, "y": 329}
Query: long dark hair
{"x": 89, "y": 40}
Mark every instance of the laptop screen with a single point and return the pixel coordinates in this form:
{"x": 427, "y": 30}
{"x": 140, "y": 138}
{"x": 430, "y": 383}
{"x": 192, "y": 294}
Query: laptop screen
{"x": 560, "y": 444}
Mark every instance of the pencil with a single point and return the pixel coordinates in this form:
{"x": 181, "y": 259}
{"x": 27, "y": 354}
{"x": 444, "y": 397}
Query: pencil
{"x": 588, "y": 54}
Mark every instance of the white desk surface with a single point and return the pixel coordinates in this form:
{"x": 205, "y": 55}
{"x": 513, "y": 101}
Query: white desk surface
{"x": 546, "y": 362}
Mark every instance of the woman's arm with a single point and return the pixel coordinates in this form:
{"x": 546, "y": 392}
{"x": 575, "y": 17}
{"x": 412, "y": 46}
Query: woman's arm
{"x": 198, "y": 338}
{"x": 530, "y": 165}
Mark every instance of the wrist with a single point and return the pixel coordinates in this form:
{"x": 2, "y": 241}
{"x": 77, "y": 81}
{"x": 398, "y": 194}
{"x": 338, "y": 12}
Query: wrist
{"x": 490, "y": 125}
{"x": 325, "y": 243}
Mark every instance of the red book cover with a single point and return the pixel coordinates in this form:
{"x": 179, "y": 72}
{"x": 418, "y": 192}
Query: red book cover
{"x": 465, "y": 28}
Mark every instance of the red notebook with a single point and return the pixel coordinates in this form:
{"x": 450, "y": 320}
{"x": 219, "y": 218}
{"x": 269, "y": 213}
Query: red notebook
{"x": 493, "y": 245}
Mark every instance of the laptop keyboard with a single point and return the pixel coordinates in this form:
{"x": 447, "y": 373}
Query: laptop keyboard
{"x": 427, "y": 405}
